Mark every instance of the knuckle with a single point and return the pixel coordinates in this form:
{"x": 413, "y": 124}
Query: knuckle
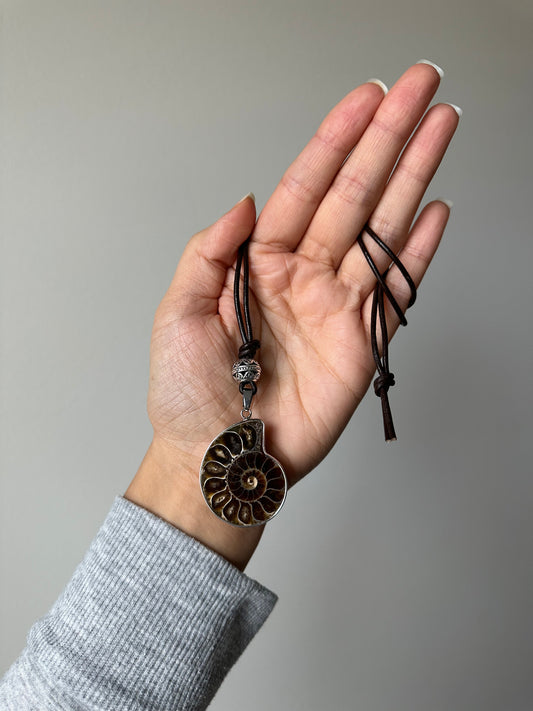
{"x": 396, "y": 118}
{"x": 413, "y": 172}
{"x": 332, "y": 132}
{"x": 389, "y": 231}
{"x": 352, "y": 189}
{"x": 305, "y": 191}
{"x": 401, "y": 291}
{"x": 416, "y": 253}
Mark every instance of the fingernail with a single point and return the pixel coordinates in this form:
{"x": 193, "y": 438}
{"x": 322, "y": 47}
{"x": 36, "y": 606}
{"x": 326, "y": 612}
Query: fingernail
{"x": 248, "y": 195}
{"x": 446, "y": 202}
{"x": 457, "y": 109}
{"x": 379, "y": 83}
{"x": 436, "y": 67}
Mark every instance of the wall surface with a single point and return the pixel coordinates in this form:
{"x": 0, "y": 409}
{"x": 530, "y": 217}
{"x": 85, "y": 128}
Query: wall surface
{"x": 127, "y": 126}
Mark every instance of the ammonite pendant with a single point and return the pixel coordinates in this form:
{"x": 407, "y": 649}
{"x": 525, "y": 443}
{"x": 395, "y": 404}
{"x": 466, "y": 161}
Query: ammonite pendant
{"x": 242, "y": 484}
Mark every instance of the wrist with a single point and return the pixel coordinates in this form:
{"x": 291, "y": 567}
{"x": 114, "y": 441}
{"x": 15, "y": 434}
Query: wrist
{"x": 167, "y": 484}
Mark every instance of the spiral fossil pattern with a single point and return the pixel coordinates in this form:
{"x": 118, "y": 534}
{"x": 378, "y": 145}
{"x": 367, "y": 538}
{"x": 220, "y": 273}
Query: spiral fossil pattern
{"x": 241, "y": 483}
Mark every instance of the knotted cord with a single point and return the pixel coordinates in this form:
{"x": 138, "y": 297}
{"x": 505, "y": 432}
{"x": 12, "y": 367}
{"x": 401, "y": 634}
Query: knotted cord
{"x": 249, "y": 344}
{"x": 385, "y": 379}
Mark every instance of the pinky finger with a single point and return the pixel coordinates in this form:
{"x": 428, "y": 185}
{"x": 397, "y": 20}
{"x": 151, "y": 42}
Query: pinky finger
{"x": 416, "y": 256}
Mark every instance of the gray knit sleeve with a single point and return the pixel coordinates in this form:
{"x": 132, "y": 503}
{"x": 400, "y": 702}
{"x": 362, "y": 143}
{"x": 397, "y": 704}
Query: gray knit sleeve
{"x": 151, "y": 619}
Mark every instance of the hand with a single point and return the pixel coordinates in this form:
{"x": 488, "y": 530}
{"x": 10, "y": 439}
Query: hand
{"x": 312, "y": 292}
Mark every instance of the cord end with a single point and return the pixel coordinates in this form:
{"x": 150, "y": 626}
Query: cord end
{"x": 381, "y": 387}
{"x": 388, "y": 426}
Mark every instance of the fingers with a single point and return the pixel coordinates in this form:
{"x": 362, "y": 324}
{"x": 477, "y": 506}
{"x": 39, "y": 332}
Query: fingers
{"x": 416, "y": 256}
{"x": 397, "y": 207}
{"x": 202, "y": 270}
{"x": 289, "y": 211}
{"x": 358, "y": 186}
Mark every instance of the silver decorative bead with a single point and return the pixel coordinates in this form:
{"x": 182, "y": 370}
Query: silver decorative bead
{"x": 246, "y": 370}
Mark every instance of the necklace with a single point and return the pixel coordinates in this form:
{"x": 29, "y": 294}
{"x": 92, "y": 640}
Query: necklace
{"x": 241, "y": 483}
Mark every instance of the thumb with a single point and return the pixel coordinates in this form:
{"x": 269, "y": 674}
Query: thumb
{"x": 202, "y": 270}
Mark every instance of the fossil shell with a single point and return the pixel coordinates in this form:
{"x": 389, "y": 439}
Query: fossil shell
{"x": 241, "y": 483}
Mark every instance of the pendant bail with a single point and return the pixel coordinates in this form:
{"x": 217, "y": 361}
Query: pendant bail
{"x": 247, "y": 389}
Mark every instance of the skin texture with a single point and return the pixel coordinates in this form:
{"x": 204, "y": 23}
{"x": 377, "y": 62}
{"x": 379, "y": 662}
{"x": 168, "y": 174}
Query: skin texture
{"x": 311, "y": 299}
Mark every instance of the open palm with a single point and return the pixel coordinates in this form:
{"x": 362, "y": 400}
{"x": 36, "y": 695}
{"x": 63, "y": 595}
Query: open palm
{"x": 311, "y": 285}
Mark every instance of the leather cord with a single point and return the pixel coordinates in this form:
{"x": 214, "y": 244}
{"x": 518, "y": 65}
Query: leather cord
{"x": 385, "y": 379}
{"x": 250, "y": 345}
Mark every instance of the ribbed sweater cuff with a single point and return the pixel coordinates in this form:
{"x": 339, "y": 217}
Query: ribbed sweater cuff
{"x": 151, "y": 619}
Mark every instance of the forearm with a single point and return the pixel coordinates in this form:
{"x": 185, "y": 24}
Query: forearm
{"x": 167, "y": 484}
{"x": 150, "y": 619}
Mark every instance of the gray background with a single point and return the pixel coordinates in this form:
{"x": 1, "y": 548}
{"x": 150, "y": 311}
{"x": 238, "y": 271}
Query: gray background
{"x": 404, "y": 572}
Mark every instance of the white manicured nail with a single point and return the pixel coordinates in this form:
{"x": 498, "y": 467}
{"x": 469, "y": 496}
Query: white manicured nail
{"x": 446, "y": 202}
{"x": 248, "y": 195}
{"x": 457, "y": 109}
{"x": 379, "y": 83}
{"x": 436, "y": 67}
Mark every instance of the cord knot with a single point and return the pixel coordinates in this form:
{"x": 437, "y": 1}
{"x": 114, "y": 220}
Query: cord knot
{"x": 383, "y": 382}
{"x": 249, "y": 349}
